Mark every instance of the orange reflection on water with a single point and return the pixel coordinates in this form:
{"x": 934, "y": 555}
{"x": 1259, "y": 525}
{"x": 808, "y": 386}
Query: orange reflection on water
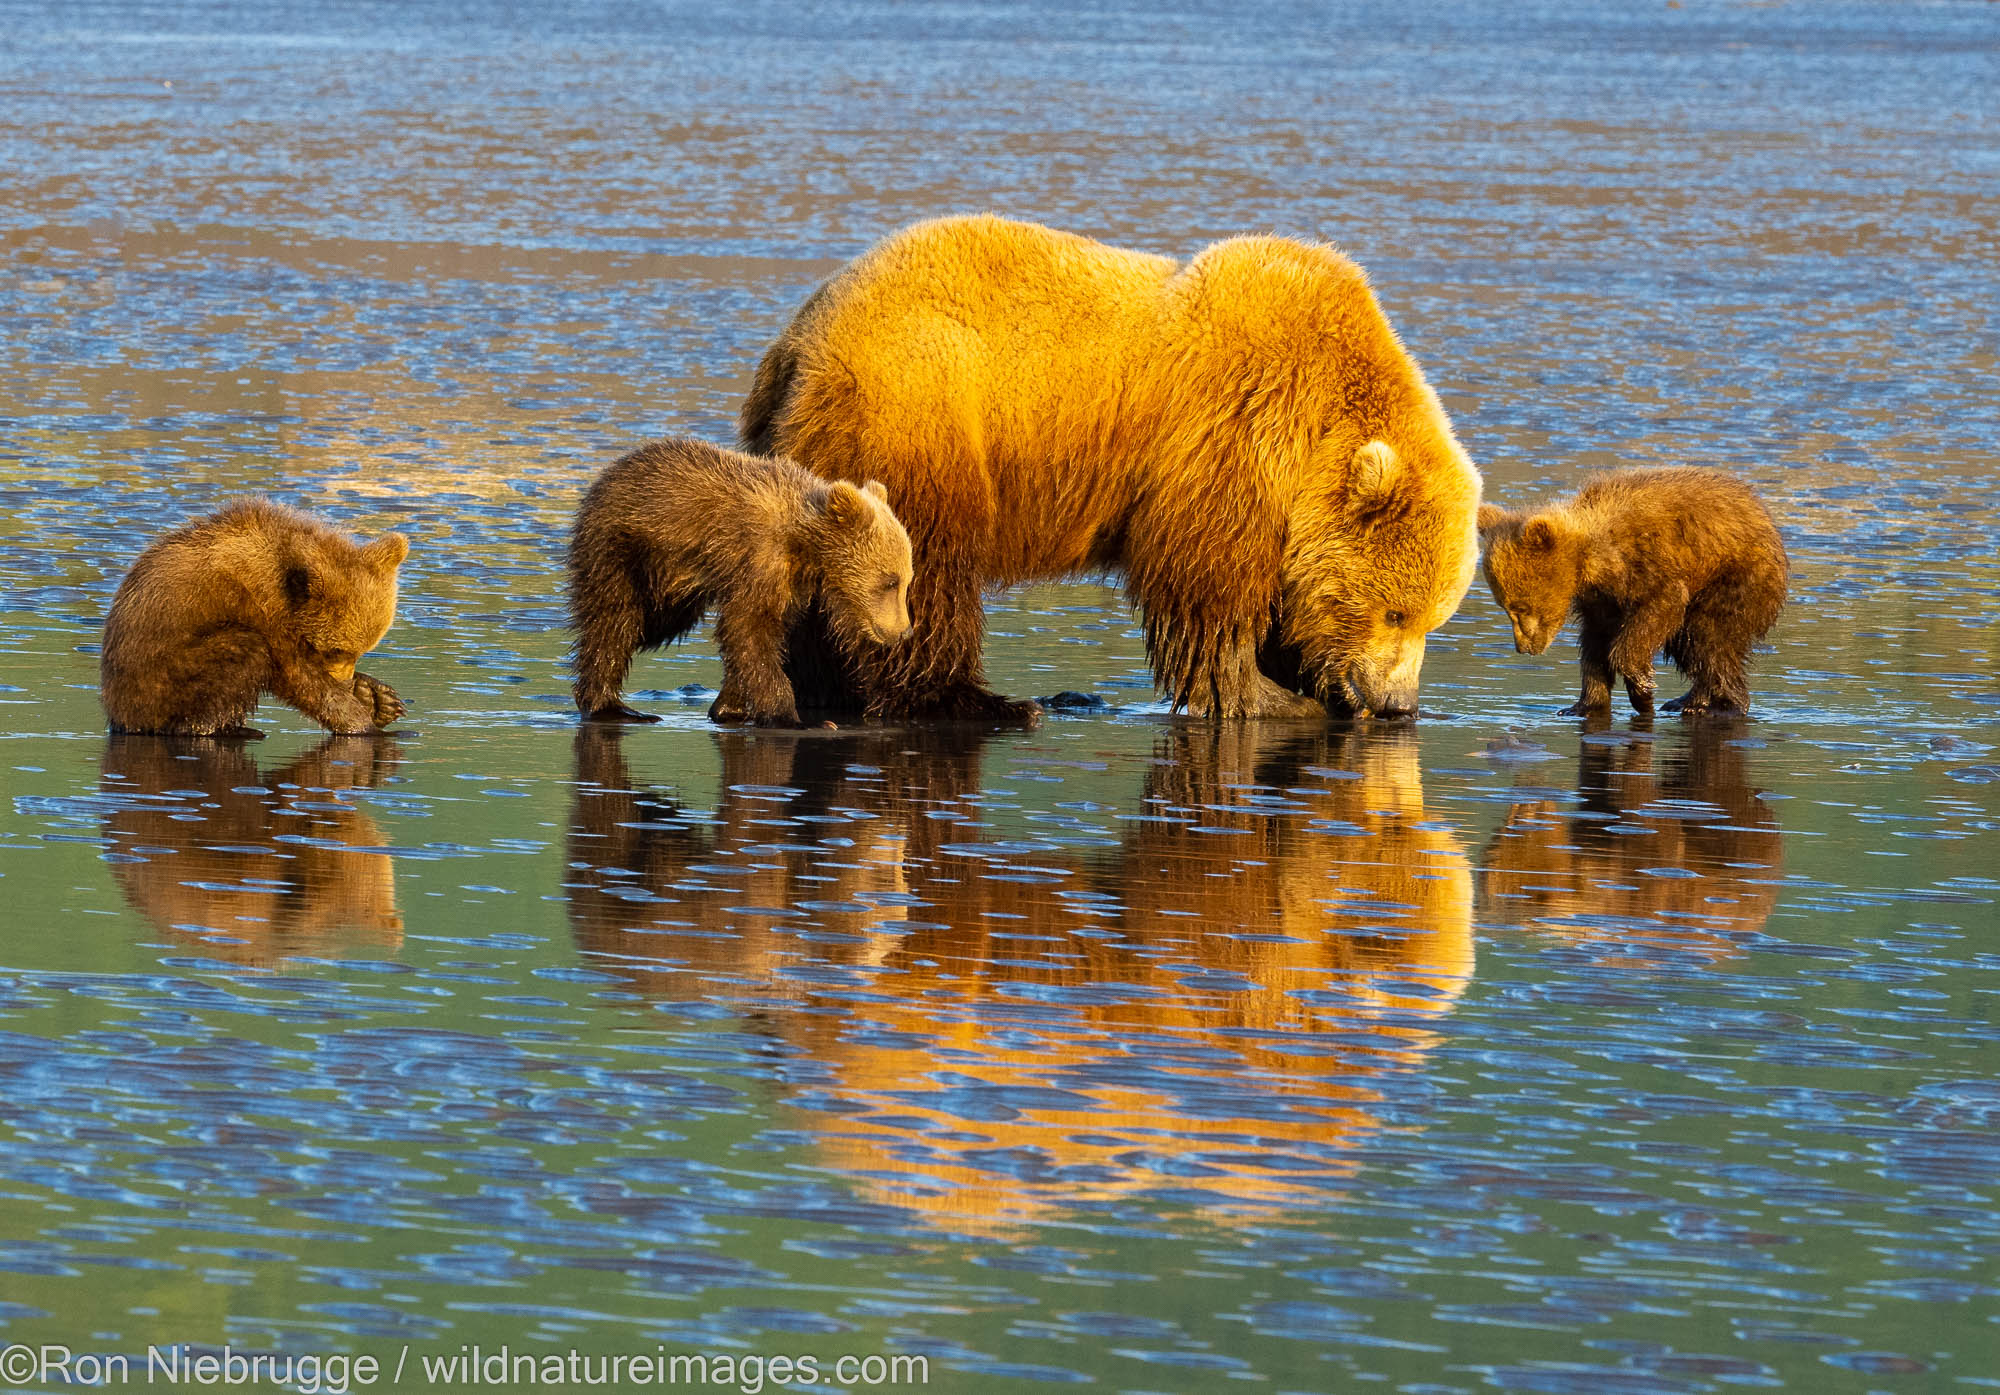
{"x": 1001, "y": 1023}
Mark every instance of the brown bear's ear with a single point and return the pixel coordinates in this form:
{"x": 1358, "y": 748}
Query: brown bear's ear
{"x": 1375, "y": 475}
{"x": 386, "y": 553}
{"x": 876, "y": 488}
{"x": 845, "y": 506}
{"x": 1493, "y": 517}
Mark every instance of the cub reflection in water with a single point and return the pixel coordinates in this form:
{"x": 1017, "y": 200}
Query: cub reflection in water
{"x": 999, "y": 1015}
{"x": 1655, "y": 864}
{"x": 261, "y": 865}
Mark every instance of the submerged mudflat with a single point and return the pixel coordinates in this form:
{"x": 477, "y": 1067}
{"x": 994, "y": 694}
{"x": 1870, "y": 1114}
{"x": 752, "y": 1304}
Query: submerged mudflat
{"x": 1496, "y": 1051}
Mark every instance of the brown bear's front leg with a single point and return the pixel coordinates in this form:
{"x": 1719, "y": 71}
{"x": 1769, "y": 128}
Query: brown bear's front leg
{"x": 748, "y": 631}
{"x": 1235, "y": 686}
{"x": 936, "y": 671}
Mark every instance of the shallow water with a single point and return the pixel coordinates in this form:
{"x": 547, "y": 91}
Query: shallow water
{"x": 1496, "y": 1052}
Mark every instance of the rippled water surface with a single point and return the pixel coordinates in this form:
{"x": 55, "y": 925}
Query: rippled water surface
{"x": 1493, "y": 1052}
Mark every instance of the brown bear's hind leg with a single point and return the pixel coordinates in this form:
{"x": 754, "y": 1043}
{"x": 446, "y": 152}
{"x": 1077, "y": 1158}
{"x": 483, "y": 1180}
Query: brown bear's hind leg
{"x": 616, "y": 612}
{"x": 1713, "y": 648}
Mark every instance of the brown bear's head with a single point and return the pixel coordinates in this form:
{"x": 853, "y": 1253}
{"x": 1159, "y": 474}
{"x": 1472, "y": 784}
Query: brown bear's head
{"x": 864, "y": 564}
{"x": 1387, "y": 559}
{"x": 1534, "y": 564}
{"x": 342, "y": 596}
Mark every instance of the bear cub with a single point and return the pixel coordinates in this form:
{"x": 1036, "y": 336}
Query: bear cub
{"x": 679, "y": 526}
{"x": 1685, "y": 560}
{"x": 254, "y": 598}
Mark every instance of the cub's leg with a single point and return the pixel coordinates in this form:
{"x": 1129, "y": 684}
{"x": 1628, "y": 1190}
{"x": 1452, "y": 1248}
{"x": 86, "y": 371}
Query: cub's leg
{"x": 212, "y": 687}
{"x": 1641, "y": 636}
{"x": 1713, "y": 647}
{"x": 1594, "y": 639}
{"x": 608, "y": 614}
{"x": 749, "y": 630}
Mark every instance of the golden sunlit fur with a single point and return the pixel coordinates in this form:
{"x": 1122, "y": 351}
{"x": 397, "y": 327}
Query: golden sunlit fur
{"x": 679, "y": 526}
{"x": 1242, "y": 436}
{"x": 255, "y": 598}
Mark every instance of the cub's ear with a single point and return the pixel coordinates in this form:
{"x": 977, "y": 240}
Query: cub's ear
{"x": 298, "y": 585}
{"x": 1541, "y": 533}
{"x": 845, "y": 506}
{"x": 386, "y": 553}
{"x": 1376, "y": 474}
{"x": 1492, "y": 518}
{"x": 876, "y": 488}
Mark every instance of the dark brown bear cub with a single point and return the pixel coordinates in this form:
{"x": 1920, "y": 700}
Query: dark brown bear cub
{"x": 255, "y": 598}
{"x": 1683, "y": 560}
{"x": 680, "y": 526}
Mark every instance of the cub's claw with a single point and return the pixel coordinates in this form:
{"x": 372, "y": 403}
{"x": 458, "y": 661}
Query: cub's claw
{"x": 379, "y": 696}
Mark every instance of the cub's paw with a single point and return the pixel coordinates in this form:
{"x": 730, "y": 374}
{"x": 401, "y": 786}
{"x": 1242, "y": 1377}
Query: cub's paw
{"x": 1640, "y": 691}
{"x": 1585, "y": 707}
{"x": 731, "y": 711}
{"x": 380, "y": 698}
{"x": 619, "y": 712}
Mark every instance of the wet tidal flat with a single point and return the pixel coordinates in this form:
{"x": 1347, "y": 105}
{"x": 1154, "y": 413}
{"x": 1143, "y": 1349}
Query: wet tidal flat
{"x": 1493, "y": 1051}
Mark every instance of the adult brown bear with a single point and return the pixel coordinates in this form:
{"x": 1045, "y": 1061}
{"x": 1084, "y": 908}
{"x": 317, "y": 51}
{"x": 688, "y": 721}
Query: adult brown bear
{"x": 1242, "y": 437}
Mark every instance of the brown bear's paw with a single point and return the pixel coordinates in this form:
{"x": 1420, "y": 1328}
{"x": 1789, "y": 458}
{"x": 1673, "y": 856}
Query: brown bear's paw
{"x": 237, "y": 732}
{"x": 1583, "y": 708}
{"x": 1264, "y": 699}
{"x": 379, "y": 696}
{"x": 1640, "y": 690}
{"x": 965, "y": 702}
{"x": 619, "y": 712}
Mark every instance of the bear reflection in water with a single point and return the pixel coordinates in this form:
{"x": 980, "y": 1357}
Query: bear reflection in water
{"x": 994, "y": 1015}
{"x": 1648, "y": 865}
{"x": 262, "y": 866}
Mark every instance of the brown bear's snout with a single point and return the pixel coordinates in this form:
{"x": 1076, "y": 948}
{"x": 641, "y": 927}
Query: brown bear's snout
{"x": 1383, "y": 695}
